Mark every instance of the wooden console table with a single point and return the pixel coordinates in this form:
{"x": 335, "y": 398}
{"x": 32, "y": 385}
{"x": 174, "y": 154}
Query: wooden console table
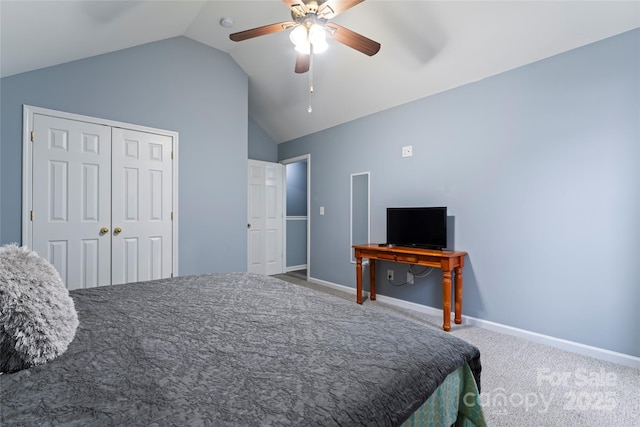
{"x": 447, "y": 261}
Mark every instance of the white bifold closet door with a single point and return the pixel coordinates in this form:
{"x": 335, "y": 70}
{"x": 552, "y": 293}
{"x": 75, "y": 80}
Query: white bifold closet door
{"x": 72, "y": 199}
{"x": 102, "y": 200}
{"x": 141, "y": 206}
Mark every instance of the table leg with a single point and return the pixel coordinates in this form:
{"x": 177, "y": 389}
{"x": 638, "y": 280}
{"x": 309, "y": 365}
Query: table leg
{"x": 458, "y": 296}
{"x": 359, "y": 280}
{"x": 372, "y": 279}
{"x": 446, "y": 300}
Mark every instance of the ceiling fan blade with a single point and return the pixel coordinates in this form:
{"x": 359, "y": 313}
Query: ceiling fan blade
{"x": 303, "y": 62}
{"x": 353, "y": 39}
{"x": 298, "y": 8}
{"x": 261, "y": 31}
{"x": 332, "y": 8}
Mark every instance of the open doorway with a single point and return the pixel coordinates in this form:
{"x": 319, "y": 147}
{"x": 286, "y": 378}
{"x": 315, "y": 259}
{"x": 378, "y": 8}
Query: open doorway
{"x": 297, "y": 216}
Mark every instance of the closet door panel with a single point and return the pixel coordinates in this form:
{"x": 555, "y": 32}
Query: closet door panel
{"x": 71, "y": 194}
{"x": 141, "y": 206}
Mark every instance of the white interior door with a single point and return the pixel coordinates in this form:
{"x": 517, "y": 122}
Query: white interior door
{"x": 71, "y": 199}
{"x": 265, "y": 219}
{"x": 141, "y": 206}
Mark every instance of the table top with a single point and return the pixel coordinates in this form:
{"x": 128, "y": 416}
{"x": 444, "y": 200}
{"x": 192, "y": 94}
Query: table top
{"x": 409, "y": 250}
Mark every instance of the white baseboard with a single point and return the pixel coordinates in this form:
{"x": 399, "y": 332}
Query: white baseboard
{"x": 296, "y": 267}
{"x": 342, "y": 288}
{"x": 572, "y": 346}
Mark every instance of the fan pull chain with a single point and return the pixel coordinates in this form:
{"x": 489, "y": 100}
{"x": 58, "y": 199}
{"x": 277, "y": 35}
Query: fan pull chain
{"x": 309, "y": 110}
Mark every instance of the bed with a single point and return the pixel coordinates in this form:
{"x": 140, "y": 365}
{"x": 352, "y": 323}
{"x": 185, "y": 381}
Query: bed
{"x": 240, "y": 349}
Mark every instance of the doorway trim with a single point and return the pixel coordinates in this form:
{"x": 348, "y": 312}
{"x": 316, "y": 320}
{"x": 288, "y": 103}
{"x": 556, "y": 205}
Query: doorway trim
{"x": 28, "y": 113}
{"x": 307, "y": 158}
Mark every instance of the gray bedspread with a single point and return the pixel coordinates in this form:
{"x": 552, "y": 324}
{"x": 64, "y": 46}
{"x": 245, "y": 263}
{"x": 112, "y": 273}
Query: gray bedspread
{"x": 232, "y": 349}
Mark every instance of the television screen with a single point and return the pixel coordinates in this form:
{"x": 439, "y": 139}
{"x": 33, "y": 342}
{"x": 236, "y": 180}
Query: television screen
{"x": 423, "y": 227}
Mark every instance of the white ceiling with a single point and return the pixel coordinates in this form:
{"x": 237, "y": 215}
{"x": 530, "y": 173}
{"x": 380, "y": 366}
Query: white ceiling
{"x": 427, "y": 46}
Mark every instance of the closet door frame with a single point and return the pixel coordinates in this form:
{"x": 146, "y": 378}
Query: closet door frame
{"x": 28, "y": 113}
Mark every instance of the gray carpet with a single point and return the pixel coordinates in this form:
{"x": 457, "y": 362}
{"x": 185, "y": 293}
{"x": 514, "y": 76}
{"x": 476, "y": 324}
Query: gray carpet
{"x": 528, "y": 384}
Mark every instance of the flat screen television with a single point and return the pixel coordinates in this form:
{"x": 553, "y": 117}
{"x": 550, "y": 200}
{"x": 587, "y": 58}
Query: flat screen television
{"x": 421, "y": 227}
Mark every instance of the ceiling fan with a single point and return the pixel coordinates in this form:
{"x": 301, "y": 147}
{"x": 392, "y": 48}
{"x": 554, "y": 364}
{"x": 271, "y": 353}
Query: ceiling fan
{"x": 310, "y": 26}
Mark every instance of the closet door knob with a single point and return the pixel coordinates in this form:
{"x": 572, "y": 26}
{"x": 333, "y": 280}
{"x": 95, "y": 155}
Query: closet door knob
{"x": 117, "y": 230}
{"x": 104, "y": 230}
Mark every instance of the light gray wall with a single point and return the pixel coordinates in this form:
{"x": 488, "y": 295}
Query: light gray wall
{"x": 297, "y": 188}
{"x": 175, "y": 84}
{"x": 296, "y": 242}
{"x": 360, "y": 209}
{"x": 261, "y": 145}
{"x": 1, "y": 166}
{"x": 540, "y": 168}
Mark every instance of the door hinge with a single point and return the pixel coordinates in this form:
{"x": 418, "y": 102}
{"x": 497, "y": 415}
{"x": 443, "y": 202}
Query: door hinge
{"x": 172, "y": 216}
{"x": 172, "y": 155}
{"x": 33, "y": 136}
{"x": 31, "y": 215}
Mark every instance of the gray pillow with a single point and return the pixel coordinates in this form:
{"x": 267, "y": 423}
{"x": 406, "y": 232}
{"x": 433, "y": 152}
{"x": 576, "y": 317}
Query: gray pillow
{"x": 37, "y": 317}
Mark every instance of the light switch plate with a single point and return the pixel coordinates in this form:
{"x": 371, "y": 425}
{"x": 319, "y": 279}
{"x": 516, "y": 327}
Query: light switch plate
{"x": 407, "y": 151}
{"x": 321, "y": 210}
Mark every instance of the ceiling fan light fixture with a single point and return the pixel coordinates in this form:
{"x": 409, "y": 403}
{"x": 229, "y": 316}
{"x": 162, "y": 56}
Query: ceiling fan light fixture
{"x": 304, "y": 48}
{"x": 317, "y": 34}
{"x": 303, "y": 38}
{"x": 320, "y": 46}
{"x": 318, "y": 38}
{"x": 298, "y": 36}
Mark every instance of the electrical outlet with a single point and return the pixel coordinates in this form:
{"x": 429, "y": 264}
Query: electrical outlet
{"x": 389, "y": 274}
{"x": 409, "y": 277}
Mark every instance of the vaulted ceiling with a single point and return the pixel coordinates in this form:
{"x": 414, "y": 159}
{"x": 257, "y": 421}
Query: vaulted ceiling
{"x": 427, "y": 46}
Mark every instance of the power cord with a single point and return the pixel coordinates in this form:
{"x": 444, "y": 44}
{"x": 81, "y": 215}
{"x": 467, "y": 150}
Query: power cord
{"x": 424, "y": 273}
{"x": 427, "y": 271}
{"x": 398, "y": 284}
